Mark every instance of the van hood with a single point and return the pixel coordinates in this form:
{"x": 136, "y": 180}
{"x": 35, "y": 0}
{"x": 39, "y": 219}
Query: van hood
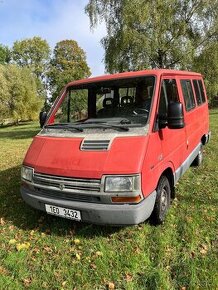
{"x": 66, "y": 157}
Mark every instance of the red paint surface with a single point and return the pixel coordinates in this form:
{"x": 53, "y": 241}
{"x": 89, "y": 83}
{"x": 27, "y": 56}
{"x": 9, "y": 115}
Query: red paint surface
{"x": 62, "y": 156}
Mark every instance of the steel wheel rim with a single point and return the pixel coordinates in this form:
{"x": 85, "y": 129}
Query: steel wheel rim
{"x": 163, "y": 200}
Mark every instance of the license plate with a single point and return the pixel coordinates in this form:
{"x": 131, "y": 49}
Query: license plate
{"x": 63, "y": 212}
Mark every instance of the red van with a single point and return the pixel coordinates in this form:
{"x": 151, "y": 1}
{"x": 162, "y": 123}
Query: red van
{"x": 113, "y": 147}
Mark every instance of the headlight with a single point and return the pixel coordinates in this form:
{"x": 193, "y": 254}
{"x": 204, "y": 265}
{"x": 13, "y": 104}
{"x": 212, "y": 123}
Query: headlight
{"x": 122, "y": 183}
{"x": 27, "y": 173}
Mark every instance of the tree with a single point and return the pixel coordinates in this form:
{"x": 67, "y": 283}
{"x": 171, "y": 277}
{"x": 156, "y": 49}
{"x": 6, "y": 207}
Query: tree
{"x": 4, "y": 54}
{"x": 18, "y": 94}
{"x": 144, "y": 34}
{"x": 207, "y": 63}
{"x": 33, "y": 53}
{"x": 4, "y": 95}
{"x": 68, "y": 64}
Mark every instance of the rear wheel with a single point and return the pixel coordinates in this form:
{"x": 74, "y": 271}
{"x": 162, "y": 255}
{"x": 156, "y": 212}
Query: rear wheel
{"x": 162, "y": 202}
{"x": 199, "y": 158}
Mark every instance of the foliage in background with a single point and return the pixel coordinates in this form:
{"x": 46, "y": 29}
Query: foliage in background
{"x": 18, "y": 94}
{"x": 67, "y": 64}
{"x": 33, "y": 53}
{"x": 5, "y": 54}
{"x": 207, "y": 63}
{"x": 146, "y": 34}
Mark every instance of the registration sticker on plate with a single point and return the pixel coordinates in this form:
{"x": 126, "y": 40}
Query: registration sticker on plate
{"x": 63, "y": 212}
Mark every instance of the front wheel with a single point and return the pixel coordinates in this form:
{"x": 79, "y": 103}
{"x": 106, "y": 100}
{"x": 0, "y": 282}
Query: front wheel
{"x": 162, "y": 202}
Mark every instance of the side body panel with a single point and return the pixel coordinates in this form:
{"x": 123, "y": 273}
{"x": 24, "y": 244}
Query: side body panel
{"x": 174, "y": 148}
{"x": 196, "y": 120}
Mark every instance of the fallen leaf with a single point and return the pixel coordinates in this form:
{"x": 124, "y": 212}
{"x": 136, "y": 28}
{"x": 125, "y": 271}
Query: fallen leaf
{"x": 128, "y": 277}
{"x": 2, "y": 221}
{"x": 110, "y": 285}
{"x": 64, "y": 283}
{"x": 23, "y": 246}
{"x": 48, "y": 249}
{"x": 203, "y": 251}
{"x": 76, "y": 241}
{"x": 3, "y": 271}
{"x": 12, "y": 242}
{"x": 27, "y": 282}
{"x": 99, "y": 254}
{"x": 93, "y": 266}
{"x": 78, "y": 257}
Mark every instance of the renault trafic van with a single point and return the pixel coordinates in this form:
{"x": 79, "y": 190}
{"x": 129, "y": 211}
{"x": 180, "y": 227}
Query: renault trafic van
{"x": 113, "y": 147}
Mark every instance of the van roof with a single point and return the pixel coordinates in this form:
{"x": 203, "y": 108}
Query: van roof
{"x": 154, "y": 72}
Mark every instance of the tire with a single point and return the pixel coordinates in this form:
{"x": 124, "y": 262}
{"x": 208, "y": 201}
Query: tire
{"x": 199, "y": 158}
{"x": 162, "y": 202}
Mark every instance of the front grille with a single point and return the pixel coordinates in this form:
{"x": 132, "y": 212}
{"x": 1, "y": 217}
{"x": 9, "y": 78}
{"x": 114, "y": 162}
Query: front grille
{"x": 67, "y": 184}
{"x": 95, "y": 145}
{"x": 67, "y": 196}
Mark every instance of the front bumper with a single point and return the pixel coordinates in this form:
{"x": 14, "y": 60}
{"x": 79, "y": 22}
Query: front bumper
{"x": 113, "y": 214}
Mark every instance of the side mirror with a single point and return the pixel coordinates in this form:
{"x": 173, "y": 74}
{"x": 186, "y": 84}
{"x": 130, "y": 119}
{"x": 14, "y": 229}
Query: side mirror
{"x": 175, "y": 116}
{"x": 42, "y": 118}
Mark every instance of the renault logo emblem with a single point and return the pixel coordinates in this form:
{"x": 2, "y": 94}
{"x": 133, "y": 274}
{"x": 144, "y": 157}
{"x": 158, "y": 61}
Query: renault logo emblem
{"x": 61, "y": 186}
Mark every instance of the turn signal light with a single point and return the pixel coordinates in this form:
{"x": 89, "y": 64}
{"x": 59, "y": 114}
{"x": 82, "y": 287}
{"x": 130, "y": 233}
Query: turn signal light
{"x": 126, "y": 199}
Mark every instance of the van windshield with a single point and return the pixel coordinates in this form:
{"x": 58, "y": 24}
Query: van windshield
{"x": 123, "y": 102}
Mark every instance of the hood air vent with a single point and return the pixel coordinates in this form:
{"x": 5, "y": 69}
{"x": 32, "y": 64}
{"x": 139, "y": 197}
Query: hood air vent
{"x": 90, "y": 145}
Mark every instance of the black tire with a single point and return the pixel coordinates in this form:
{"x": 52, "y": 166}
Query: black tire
{"x": 162, "y": 202}
{"x": 199, "y": 158}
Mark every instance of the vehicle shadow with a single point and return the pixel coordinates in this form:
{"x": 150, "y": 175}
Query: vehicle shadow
{"x": 15, "y": 211}
{"x": 23, "y": 133}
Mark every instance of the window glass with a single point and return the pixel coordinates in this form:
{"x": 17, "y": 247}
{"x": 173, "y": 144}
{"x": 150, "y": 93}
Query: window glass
{"x": 73, "y": 108}
{"x": 188, "y": 94}
{"x": 197, "y": 92}
{"x": 202, "y": 91}
{"x": 169, "y": 93}
{"x": 108, "y": 102}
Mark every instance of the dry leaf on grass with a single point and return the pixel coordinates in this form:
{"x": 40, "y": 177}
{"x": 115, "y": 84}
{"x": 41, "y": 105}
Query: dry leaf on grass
{"x": 110, "y": 285}
{"x": 23, "y": 246}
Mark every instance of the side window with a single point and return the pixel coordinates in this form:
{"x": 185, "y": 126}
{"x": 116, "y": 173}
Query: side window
{"x": 169, "y": 93}
{"x": 188, "y": 94}
{"x": 199, "y": 91}
{"x": 202, "y": 91}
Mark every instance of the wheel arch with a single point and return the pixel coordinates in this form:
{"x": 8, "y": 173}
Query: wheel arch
{"x": 168, "y": 172}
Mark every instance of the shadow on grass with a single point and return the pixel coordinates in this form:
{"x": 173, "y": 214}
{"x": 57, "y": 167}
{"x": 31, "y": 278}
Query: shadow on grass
{"x": 18, "y": 134}
{"x": 15, "y": 211}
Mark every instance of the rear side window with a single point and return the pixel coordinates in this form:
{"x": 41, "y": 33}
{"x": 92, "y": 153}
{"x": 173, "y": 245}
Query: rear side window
{"x": 199, "y": 91}
{"x": 188, "y": 94}
{"x": 202, "y": 91}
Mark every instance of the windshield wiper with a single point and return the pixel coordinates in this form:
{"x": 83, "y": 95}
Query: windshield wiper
{"x": 65, "y": 126}
{"x": 104, "y": 125}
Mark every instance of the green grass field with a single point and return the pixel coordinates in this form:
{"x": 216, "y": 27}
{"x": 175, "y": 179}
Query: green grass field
{"x": 38, "y": 251}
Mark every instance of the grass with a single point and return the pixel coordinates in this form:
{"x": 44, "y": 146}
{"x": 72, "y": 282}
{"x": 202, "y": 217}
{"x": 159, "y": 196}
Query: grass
{"x": 38, "y": 251}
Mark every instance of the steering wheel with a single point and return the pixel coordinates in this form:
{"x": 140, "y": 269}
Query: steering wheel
{"x": 140, "y": 111}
